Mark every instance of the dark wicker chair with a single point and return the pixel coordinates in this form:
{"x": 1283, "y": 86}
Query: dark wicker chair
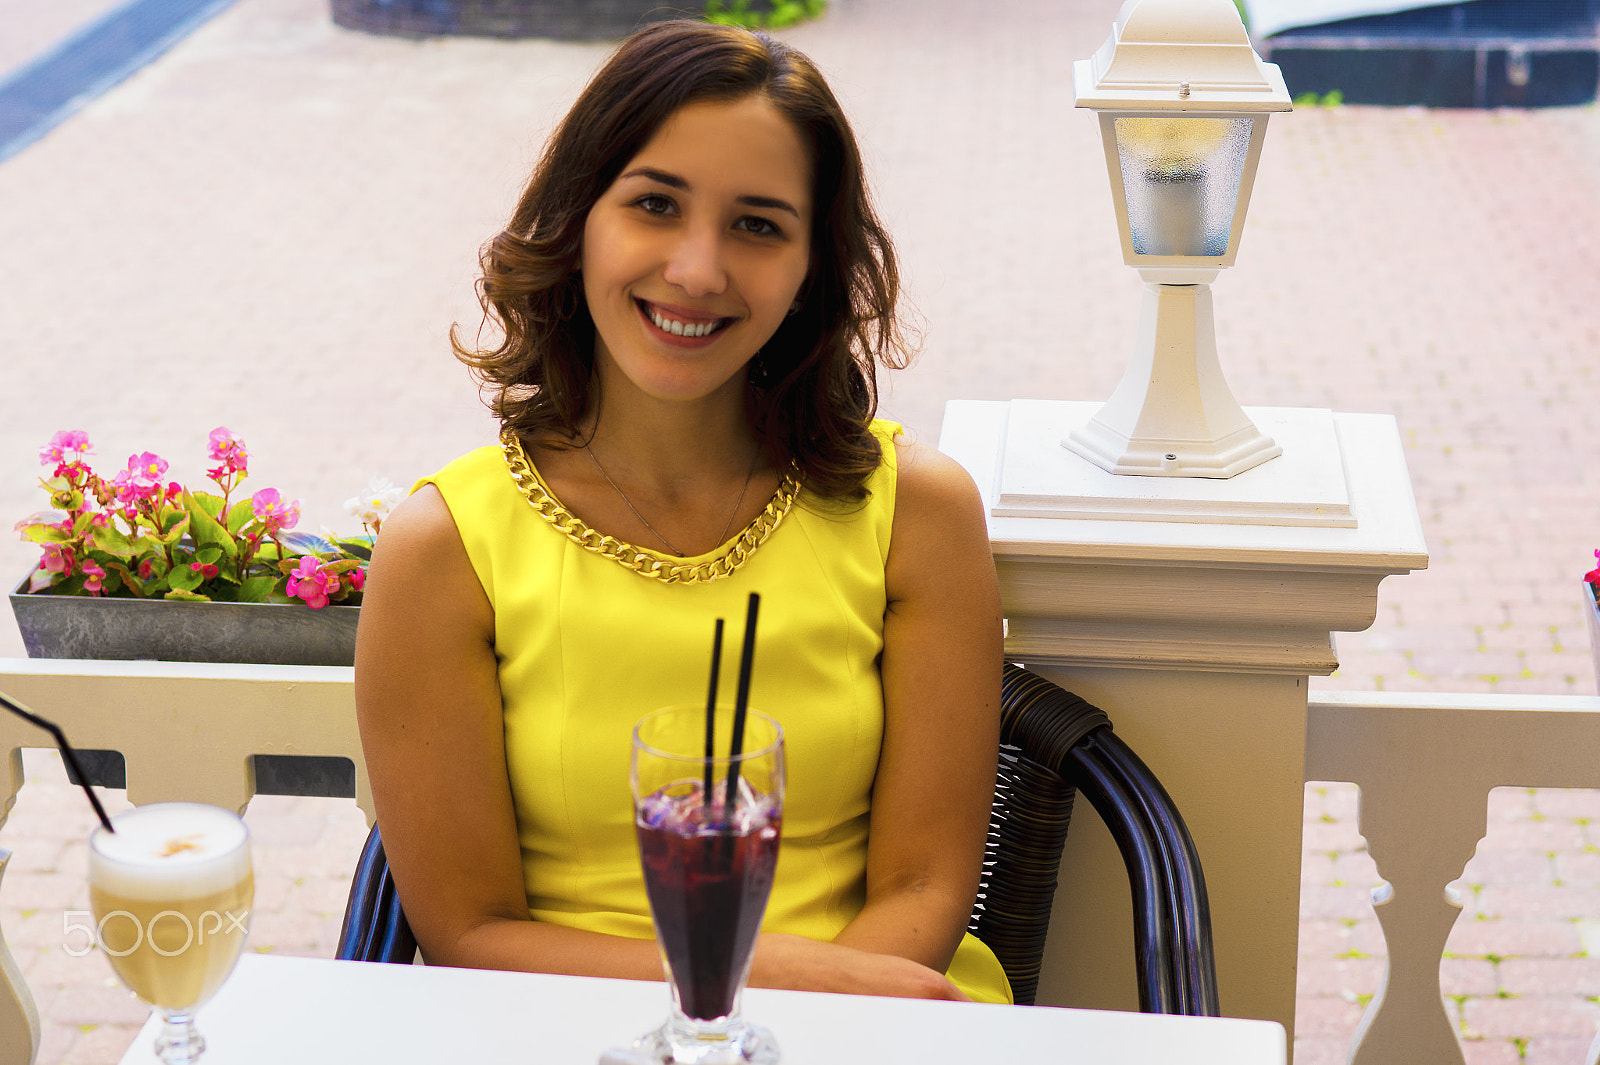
{"x": 1053, "y": 744}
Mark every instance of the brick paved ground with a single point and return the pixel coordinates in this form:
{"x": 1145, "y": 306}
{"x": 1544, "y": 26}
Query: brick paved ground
{"x": 272, "y": 227}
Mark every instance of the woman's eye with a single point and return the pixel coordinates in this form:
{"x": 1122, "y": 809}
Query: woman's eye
{"x": 761, "y": 227}
{"x": 654, "y": 204}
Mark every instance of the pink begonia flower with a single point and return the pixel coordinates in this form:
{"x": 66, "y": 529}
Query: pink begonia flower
{"x": 146, "y": 568}
{"x": 58, "y": 559}
{"x": 1593, "y": 576}
{"x": 307, "y": 581}
{"x": 93, "y": 576}
{"x": 205, "y": 569}
{"x": 142, "y": 478}
{"x": 274, "y": 511}
{"x": 358, "y": 578}
{"x": 228, "y": 450}
{"x": 74, "y": 441}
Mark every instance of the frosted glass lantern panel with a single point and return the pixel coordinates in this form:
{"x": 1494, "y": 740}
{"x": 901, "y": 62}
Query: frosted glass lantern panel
{"x": 1181, "y": 178}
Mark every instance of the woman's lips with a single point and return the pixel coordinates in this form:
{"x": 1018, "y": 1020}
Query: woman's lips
{"x": 677, "y": 325}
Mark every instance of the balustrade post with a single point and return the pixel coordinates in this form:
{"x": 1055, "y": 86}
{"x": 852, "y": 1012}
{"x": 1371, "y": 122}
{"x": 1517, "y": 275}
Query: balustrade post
{"x": 1193, "y": 611}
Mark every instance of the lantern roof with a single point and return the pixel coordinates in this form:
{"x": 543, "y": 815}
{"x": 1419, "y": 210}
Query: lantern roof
{"x": 1184, "y": 55}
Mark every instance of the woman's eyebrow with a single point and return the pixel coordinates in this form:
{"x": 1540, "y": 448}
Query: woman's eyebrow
{"x": 673, "y": 181}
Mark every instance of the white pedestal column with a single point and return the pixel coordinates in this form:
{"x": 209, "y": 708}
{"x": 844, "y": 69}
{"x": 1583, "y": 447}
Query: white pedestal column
{"x": 1193, "y": 611}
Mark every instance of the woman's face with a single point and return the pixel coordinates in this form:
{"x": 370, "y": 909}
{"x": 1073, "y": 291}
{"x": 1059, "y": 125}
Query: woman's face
{"x": 692, "y": 257}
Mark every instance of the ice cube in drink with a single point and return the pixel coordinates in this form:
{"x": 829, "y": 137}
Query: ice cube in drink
{"x": 171, "y": 890}
{"x": 708, "y": 871}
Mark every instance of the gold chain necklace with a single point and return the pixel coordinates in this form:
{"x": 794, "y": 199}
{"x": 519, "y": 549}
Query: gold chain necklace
{"x": 631, "y": 558}
{"x": 721, "y": 537}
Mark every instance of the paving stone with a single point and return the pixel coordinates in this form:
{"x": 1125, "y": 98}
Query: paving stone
{"x": 1539, "y": 902}
{"x": 1579, "y": 977}
{"x": 1557, "y": 1050}
{"x": 1469, "y": 976}
{"x": 1580, "y": 868}
{"x": 1508, "y": 938}
{"x": 1490, "y": 1052}
{"x": 104, "y": 1044}
{"x": 1572, "y": 803}
{"x": 1321, "y": 1050}
{"x": 97, "y": 1004}
{"x": 1505, "y": 867}
{"x": 1510, "y": 1018}
{"x": 1340, "y": 977}
{"x": 1324, "y": 1015}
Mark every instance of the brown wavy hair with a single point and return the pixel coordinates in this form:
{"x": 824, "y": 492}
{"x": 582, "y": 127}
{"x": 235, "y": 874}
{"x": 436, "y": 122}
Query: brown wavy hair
{"x": 813, "y": 386}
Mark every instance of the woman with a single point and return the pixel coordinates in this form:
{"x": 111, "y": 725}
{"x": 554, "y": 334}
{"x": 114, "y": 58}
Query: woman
{"x": 693, "y": 292}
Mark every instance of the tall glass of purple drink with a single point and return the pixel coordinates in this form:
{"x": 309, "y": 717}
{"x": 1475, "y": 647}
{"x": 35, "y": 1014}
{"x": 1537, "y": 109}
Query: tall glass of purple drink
{"x": 708, "y": 842}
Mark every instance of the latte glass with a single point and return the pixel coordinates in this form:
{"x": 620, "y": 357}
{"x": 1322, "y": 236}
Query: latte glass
{"x": 171, "y": 890}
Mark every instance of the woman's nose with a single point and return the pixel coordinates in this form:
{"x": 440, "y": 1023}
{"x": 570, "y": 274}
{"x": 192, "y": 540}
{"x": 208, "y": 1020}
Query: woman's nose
{"x": 694, "y": 264}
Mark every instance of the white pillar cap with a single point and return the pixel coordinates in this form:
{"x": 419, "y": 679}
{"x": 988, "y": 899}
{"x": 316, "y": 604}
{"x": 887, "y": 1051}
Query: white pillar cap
{"x": 1183, "y": 55}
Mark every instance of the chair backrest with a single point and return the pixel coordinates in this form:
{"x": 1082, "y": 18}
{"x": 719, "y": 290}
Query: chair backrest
{"x": 375, "y": 927}
{"x": 1053, "y": 744}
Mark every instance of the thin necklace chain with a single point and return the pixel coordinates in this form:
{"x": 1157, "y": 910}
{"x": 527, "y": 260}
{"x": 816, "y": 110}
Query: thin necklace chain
{"x": 646, "y": 523}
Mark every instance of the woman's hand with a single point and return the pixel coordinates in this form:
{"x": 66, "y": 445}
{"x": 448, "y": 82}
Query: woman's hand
{"x": 799, "y": 964}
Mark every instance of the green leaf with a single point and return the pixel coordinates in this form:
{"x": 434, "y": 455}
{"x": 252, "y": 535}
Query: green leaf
{"x": 207, "y": 556}
{"x": 211, "y": 503}
{"x": 111, "y": 540}
{"x": 343, "y": 565}
{"x": 256, "y": 589}
{"x": 45, "y": 534}
{"x": 174, "y": 534}
{"x": 186, "y": 596}
{"x": 240, "y": 515}
{"x": 361, "y": 549}
{"x": 131, "y": 580}
{"x": 203, "y": 525}
{"x": 182, "y": 578}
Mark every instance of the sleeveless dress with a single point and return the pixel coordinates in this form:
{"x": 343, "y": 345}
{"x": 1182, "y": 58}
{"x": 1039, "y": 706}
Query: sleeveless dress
{"x": 586, "y": 647}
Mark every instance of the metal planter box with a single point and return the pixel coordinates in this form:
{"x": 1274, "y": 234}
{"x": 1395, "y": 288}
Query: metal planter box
{"x": 84, "y": 627}
{"x": 288, "y": 634}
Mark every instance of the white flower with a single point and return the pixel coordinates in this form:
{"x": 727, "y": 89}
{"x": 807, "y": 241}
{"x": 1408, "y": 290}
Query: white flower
{"x": 374, "y": 506}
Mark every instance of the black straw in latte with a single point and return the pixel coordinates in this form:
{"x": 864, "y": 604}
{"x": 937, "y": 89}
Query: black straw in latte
{"x": 67, "y": 753}
{"x": 742, "y": 700}
{"x": 711, "y": 712}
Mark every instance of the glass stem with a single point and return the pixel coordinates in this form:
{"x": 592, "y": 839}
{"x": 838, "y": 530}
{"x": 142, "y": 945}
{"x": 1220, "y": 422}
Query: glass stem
{"x": 179, "y": 1043}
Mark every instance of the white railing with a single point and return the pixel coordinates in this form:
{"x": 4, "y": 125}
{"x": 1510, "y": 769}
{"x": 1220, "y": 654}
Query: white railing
{"x": 186, "y": 731}
{"x": 1425, "y": 764}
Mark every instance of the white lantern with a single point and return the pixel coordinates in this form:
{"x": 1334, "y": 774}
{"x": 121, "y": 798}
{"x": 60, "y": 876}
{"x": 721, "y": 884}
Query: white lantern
{"x": 1183, "y": 102}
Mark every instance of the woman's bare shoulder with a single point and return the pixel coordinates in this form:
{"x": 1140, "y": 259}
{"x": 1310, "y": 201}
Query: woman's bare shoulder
{"x": 930, "y": 483}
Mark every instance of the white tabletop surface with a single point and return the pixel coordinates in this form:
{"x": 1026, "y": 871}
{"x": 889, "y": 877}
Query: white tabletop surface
{"x": 312, "y": 1011}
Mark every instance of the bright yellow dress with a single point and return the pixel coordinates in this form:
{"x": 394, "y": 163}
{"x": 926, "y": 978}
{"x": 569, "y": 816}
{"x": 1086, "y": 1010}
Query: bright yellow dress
{"x": 587, "y": 647}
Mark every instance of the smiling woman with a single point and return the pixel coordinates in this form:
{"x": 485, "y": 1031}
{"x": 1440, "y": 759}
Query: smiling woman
{"x": 696, "y": 253}
{"x": 693, "y": 297}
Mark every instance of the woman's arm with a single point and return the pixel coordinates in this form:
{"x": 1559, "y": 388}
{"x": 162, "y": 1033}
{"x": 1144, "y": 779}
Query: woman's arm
{"x": 930, "y": 801}
{"x": 941, "y": 683}
{"x": 428, "y": 702}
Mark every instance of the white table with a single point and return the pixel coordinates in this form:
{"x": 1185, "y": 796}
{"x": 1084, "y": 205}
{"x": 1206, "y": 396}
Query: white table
{"x": 312, "y": 1011}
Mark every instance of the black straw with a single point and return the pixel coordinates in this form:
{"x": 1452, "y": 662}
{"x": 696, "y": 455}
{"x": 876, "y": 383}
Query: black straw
{"x": 711, "y": 711}
{"x": 742, "y": 700}
{"x": 67, "y": 753}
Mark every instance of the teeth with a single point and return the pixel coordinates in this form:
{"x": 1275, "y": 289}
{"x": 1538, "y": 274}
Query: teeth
{"x": 682, "y": 329}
